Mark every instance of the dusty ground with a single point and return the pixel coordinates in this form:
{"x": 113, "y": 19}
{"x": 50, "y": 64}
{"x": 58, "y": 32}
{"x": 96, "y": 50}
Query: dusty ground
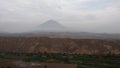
{"x": 21, "y": 64}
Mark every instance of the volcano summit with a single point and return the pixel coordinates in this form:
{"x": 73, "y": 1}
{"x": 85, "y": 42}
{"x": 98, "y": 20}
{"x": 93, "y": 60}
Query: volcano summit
{"x": 51, "y": 25}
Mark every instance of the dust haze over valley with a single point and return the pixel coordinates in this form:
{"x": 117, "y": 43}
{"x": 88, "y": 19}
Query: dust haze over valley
{"x": 59, "y": 33}
{"x": 54, "y": 29}
{"x": 94, "y": 16}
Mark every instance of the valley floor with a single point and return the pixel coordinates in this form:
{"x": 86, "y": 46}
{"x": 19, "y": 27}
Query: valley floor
{"x": 60, "y": 60}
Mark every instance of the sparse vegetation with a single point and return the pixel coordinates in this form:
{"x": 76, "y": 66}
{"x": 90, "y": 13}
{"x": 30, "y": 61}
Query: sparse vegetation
{"x": 59, "y": 45}
{"x": 83, "y": 61}
{"x": 86, "y": 53}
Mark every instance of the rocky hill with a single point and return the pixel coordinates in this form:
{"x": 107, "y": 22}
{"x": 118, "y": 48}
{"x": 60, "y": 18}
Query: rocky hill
{"x": 59, "y": 45}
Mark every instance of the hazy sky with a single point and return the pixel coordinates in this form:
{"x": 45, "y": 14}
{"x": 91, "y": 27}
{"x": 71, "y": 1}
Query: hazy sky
{"x": 84, "y": 15}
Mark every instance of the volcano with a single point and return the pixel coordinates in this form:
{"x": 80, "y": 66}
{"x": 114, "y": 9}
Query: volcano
{"x": 51, "y": 25}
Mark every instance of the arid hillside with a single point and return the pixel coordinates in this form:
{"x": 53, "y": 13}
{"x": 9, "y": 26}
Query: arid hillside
{"x": 59, "y": 45}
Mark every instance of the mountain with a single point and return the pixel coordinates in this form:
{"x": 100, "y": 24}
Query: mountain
{"x": 51, "y": 25}
{"x": 54, "y": 29}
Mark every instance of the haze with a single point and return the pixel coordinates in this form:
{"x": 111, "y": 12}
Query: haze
{"x": 101, "y": 16}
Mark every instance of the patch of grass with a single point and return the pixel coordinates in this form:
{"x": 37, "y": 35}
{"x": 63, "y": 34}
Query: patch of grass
{"x": 83, "y": 61}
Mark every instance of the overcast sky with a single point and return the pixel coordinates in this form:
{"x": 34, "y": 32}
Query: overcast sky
{"x": 102, "y": 16}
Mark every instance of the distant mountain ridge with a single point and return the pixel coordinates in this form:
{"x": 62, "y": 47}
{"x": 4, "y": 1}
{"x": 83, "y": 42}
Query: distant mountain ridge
{"x": 51, "y": 25}
{"x": 54, "y": 29}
